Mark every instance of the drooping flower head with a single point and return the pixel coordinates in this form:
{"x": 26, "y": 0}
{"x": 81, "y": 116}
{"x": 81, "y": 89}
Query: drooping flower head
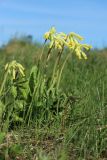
{"x": 49, "y": 35}
{"x": 14, "y": 67}
{"x": 71, "y": 41}
{"x": 56, "y": 39}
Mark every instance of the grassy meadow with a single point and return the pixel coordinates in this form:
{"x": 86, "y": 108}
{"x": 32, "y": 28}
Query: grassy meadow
{"x": 56, "y": 112}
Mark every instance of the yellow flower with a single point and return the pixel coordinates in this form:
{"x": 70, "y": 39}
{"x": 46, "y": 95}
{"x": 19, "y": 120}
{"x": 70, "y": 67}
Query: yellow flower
{"x": 87, "y": 47}
{"x": 77, "y": 36}
{"x": 71, "y": 41}
{"x": 71, "y": 44}
{"x": 63, "y": 35}
{"x": 84, "y": 55}
{"x": 78, "y": 53}
{"x": 14, "y": 67}
{"x": 58, "y": 45}
{"x": 58, "y": 41}
{"x": 48, "y": 35}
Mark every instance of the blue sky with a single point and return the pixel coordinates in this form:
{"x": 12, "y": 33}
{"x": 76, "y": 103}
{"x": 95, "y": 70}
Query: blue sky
{"x": 86, "y": 17}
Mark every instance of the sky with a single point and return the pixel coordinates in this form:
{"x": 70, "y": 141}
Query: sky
{"x": 34, "y": 17}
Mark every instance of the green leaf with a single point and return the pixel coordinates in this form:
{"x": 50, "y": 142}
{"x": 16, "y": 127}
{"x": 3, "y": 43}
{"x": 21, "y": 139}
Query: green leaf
{"x": 2, "y": 136}
{"x": 2, "y": 106}
{"x": 16, "y": 149}
{"x": 13, "y": 91}
{"x": 33, "y": 78}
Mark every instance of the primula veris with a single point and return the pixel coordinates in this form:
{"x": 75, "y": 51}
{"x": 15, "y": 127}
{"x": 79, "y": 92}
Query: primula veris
{"x": 71, "y": 41}
{"x": 77, "y": 36}
{"x": 48, "y": 35}
{"x": 14, "y": 67}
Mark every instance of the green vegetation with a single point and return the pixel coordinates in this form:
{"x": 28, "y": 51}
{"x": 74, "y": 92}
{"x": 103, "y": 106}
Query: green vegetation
{"x": 53, "y": 106}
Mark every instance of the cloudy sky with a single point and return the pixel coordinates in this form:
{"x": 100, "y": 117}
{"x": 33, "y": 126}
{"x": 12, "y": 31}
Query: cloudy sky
{"x": 86, "y": 17}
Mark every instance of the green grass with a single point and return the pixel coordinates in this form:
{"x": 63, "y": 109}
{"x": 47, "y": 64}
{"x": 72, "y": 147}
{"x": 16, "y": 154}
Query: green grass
{"x": 71, "y": 124}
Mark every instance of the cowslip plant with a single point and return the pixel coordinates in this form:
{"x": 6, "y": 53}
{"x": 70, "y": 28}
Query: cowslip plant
{"x": 60, "y": 41}
{"x": 13, "y": 69}
{"x": 10, "y": 94}
{"x": 46, "y": 89}
{"x": 39, "y": 96}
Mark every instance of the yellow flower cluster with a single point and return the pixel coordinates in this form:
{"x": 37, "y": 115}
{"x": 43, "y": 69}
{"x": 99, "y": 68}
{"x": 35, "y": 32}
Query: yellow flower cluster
{"x": 14, "y": 67}
{"x": 71, "y": 41}
{"x": 50, "y": 33}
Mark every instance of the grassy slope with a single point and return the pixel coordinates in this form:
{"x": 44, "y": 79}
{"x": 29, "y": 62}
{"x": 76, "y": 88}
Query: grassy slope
{"x": 84, "y": 136}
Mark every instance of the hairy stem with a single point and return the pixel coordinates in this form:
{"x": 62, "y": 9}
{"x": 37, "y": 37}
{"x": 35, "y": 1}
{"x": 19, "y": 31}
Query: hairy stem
{"x": 57, "y": 63}
{"x": 3, "y": 83}
{"x": 60, "y": 73}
